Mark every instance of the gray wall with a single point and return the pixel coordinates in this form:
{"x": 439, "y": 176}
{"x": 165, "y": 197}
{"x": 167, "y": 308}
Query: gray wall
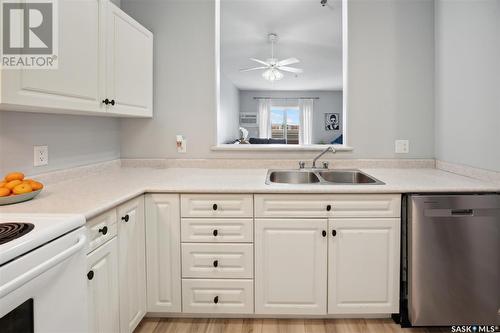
{"x": 468, "y": 82}
{"x": 328, "y": 102}
{"x": 390, "y": 81}
{"x": 72, "y": 140}
{"x": 229, "y": 121}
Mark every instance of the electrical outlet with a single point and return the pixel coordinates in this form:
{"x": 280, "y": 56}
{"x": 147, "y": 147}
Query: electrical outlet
{"x": 40, "y": 155}
{"x": 181, "y": 144}
{"x": 402, "y": 146}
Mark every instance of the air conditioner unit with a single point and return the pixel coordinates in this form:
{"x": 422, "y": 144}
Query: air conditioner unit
{"x": 249, "y": 120}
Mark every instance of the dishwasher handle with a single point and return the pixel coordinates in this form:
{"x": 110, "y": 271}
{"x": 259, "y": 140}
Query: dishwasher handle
{"x": 462, "y": 212}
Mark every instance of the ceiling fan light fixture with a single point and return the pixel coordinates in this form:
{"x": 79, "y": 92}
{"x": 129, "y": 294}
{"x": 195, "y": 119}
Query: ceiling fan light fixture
{"x": 272, "y": 75}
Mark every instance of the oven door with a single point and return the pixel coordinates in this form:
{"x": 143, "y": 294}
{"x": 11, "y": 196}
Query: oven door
{"x": 45, "y": 290}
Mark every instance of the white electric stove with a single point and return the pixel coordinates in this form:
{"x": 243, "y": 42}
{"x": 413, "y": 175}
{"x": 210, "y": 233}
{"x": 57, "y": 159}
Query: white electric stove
{"x": 42, "y": 273}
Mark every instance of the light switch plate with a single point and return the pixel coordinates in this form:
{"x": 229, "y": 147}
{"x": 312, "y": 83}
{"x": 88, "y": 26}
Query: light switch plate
{"x": 402, "y": 146}
{"x": 40, "y": 155}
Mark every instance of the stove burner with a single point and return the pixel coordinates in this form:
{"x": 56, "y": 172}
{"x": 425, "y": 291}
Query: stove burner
{"x": 13, "y": 230}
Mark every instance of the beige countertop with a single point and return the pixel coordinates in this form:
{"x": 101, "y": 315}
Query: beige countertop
{"x": 91, "y": 195}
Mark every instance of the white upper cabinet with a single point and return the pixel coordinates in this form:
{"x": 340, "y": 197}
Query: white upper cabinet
{"x": 76, "y": 85}
{"x": 363, "y": 271}
{"x": 291, "y": 266}
{"x": 129, "y": 70}
{"x": 102, "y": 54}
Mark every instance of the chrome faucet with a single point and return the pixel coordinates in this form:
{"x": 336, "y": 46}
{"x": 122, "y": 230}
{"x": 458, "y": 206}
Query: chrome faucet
{"x": 330, "y": 148}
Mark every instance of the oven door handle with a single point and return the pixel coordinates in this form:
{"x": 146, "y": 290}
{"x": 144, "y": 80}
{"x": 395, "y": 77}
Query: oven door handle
{"x": 43, "y": 267}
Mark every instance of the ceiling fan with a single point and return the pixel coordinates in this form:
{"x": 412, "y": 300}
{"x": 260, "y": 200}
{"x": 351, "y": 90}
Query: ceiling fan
{"x": 273, "y": 67}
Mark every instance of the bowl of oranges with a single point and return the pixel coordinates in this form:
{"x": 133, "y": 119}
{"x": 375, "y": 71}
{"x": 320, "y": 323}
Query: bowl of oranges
{"x": 15, "y": 188}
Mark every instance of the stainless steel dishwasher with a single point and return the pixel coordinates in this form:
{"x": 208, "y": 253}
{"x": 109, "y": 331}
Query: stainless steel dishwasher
{"x": 453, "y": 259}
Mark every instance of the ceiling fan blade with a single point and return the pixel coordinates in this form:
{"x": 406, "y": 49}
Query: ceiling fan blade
{"x": 290, "y": 69}
{"x": 288, "y": 61}
{"x": 260, "y": 61}
{"x": 252, "y": 69}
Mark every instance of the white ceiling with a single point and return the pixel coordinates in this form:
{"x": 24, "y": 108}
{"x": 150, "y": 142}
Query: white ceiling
{"x": 306, "y": 30}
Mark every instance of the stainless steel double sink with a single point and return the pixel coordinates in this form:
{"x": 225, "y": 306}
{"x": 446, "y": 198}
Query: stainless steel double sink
{"x": 321, "y": 177}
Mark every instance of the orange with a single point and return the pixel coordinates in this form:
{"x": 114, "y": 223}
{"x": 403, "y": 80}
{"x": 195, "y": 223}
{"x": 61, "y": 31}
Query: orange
{"x": 14, "y": 176}
{"x": 35, "y": 185}
{"x": 10, "y": 185}
{"x": 4, "y": 191}
{"x": 22, "y": 189}
{"x": 2, "y": 184}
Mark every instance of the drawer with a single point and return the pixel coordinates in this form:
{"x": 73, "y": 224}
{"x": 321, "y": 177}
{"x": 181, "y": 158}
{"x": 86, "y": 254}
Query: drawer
{"x": 367, "y": 205}
{"x": 217, "y": 260}
{"x": 216, "y": 205}
{"x": 100, "y": 229}
{"x": 217, "y": 296}
{"x": 217, "y": 230}
{"x": 318, "y": 205}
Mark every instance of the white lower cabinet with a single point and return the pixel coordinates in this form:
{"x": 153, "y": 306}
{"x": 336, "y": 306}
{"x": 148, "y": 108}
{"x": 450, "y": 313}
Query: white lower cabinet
{"x": 163, "y": 253}
{"x": 132, "y": 263}
{"x": 318, "y": 265}
{"x": 363, "y": 271}
{"x": 217, "y": 296}
{"x": 102, "y": 288}
{"x": 291, "y": 266}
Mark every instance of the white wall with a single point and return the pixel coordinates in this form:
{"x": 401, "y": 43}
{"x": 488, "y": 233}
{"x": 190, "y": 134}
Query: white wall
{"x": 468, "y": 82}
{"x": 391, "y": 77}
{"x": 390, "y": 80}
{"x": 229, "y": 121}
{"x": 328, "y": 102}
{"x": 72, "y": 140}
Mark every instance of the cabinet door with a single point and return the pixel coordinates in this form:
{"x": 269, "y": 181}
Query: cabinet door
{"x": 78, "y": 82}
{"x": 363, "y": 272}
{"x": 129, "y": 77}
{"x": 102, "y": 288}
{"x": 132, "y": 263}
{"x": 163, "y": 253}
{"x": 290, "y": 266}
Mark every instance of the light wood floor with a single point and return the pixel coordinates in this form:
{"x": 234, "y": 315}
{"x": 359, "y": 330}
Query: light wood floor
{"x": 188, "y": 325}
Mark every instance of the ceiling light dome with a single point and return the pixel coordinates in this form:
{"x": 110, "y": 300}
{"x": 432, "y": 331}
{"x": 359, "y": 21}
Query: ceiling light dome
{"x": 272, "y": 74}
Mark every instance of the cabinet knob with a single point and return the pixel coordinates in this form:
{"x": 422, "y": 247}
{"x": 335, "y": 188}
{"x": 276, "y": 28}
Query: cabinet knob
{"x": 334, "y": 233}
{"x": 103, "y": 230}
{"x": 216, "y": 263}
{"x": 214, "y": 207}
{"x": 112, "y": 102}
{"x": 323, "y": 233}
{"x": 106, "y": 101}
{"x": 328, "y": 208}
{"x": 216, "y": 299}
{"x": 125, "y": 218}
{"x": 90, "y": 275}
{"x": 216, "y": 232}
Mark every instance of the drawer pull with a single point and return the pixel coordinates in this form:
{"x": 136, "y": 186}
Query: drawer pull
{"x": 328, "y": 208}
{"x": 323, "y": 233}
{"x": 90, "y": 275}
{"x": 334, "y": 233}
{"x": 216, "y": 299}
{"x": 126, "y": 218}
{"x": 214, "y": 207}
{"x": 216, "y": 263}
{"x": 215, "y": 232}
{"x": 103, "y": 230}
